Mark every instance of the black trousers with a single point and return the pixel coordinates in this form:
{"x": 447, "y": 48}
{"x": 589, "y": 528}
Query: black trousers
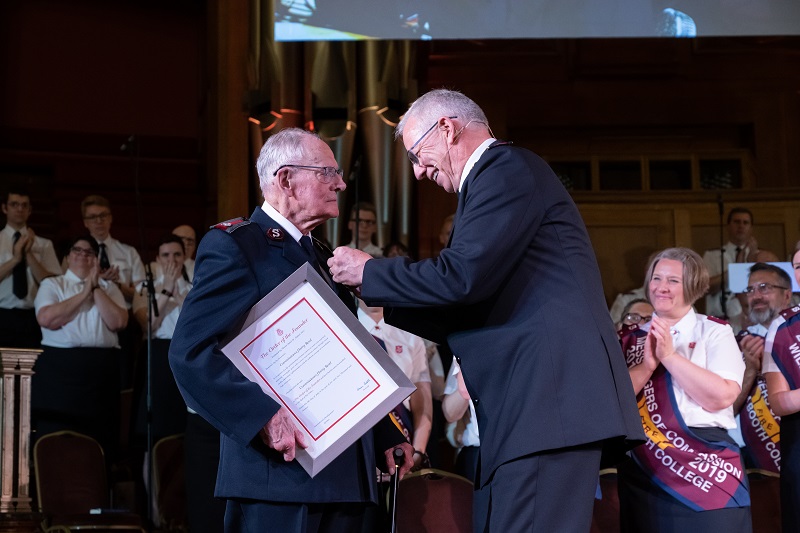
{"x": 206, "y": 514}
{"x": 543, "y": 492}
{"x": 269, "y": 517}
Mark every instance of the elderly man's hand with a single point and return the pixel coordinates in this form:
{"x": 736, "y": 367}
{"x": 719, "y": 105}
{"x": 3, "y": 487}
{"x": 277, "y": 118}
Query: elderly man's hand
{"x": 281, "y": 435}
{"x": 347, "y": 266}
{"x": 408, "y": 459}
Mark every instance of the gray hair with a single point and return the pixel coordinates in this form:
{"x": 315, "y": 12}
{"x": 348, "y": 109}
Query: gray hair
{"x": 286, "y": 147}
{"x": 433, "y": 105}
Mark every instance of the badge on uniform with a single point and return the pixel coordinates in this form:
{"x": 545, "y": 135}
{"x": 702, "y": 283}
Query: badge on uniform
{"x": 275, "y": 234}
{"x": 398, "y": 349}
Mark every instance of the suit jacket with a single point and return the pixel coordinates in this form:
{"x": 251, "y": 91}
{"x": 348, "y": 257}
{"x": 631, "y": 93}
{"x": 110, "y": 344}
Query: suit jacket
{"x": 234, "y": 270}
{"x": 517, "y": 296}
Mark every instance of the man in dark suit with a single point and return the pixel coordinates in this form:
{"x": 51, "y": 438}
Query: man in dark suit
{"x": 517, "y": 296}
{"x": 238, "y": 263}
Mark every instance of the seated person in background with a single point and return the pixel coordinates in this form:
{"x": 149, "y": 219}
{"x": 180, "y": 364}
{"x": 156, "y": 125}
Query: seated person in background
{"x": 395, "y": 249}
{"x": 363, "y": 229}
{"x": 118, "y": 262}
{"x": 168, "y": 410}
{"x": 741, "y": 247}
{"x": 638, "y": 311}
{"x": 408, "y": 352}
{"x": 740, "y": 321}
{"x": 187, "y": 235}
{"x": 75, "y": 384}
{"x": 462, "y": 423}
{"x": 189, "y": 238}
{"x": 622, "y": 299}
{"x": 25, "y": 260}
{"x": 783, "y": 381}
{"x": 768, "y": 292}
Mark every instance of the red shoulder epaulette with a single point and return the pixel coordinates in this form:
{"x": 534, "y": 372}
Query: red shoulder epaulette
{"x": 232, "y": 224}
{"x": 789, "y": 313}
{"x": 718, "y": 320}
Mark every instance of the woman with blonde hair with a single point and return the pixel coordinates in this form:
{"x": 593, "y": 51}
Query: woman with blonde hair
{"x": 689, "y": 475}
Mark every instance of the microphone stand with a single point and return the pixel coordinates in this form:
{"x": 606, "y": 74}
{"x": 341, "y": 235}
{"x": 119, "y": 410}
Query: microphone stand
{"x": 132, "y": 145}
{"x": 723, "y": 300}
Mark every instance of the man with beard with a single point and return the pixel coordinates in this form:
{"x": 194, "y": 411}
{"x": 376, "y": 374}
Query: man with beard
{"x": 769, "y": 291}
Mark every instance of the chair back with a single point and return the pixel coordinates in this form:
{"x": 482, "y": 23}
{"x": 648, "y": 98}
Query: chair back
{"x": 169, "y": 483}
{"x": 70, "y": 473}
{"x": 432, "y": 500}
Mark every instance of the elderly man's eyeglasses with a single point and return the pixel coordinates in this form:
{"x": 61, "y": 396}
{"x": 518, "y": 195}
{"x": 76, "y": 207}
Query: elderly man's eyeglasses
{"x": 636, "y": 318}
{"x": 85, "y": 252}
{"x": 762, "y": 288}
{"x": 100, "y": 217}
{"x": 411, "y": 155}
{"x": 324, "y": 174}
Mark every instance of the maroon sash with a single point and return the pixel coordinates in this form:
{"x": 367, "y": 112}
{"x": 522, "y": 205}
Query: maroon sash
{"x": 783, "y": 342}
{"x": 701, "y": 474}
{"x": 761, "y": 429}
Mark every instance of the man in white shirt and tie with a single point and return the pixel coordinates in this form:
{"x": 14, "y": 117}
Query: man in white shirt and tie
{"x": 25, "y": 260}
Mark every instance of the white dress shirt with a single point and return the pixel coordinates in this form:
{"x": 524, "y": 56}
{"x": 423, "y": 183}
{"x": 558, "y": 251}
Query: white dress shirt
{"x": 87, "y": 328}
{"x": 42, "y": 250}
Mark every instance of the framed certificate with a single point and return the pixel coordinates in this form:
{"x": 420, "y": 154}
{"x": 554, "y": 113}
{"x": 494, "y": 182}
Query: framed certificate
{"x": 307, "y": 350}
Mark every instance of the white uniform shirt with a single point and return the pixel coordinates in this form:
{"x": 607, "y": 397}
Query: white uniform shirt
{"x": 406, "y": 349}
{"x": 471, "y": 436}
{"x": 371, "y": 249}
{"x": 710, "y": 345}
{"x": 711, "y": 259}
{"x": 87, "y": 328}
{"x": 126, "y": 258}
{"x": 42, "y": 250}
{"x": 170, "y": 311}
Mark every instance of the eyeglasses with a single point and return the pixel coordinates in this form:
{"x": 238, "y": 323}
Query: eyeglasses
{"x": 100, "y": 217}
{"x": 411, "y": 155}
{"x": 328, "y": 174}
{"x": 762, "y": 288}
{"x": 85, "y": 252}
{"x": 363, "y": 222}
{"x": 635, "y": 318}
{"x": 18, "y": 205}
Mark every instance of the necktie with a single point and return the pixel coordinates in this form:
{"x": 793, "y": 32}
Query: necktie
{"x": 20, "y": 274}
{"x": 104, "y": 263}
{"x": 308, "y": 246}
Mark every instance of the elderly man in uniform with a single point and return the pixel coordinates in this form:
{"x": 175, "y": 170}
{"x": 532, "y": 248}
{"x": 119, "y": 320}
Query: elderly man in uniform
{"x": 238, "y": 263}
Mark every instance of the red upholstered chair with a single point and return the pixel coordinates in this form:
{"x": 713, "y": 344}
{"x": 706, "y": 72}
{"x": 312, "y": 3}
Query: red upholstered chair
{"x": 169, "y": 483}
{"x": 434, "y": 501}
{"x": 71, "y": 482}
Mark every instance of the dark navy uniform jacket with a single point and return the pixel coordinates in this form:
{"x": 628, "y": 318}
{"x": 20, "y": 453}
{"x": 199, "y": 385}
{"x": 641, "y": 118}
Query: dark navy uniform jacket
{"x": 236, "y": 266}
{"x": 518, "y": 297}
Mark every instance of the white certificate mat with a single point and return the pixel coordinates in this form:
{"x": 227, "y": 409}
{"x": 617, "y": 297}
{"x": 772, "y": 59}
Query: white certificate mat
{"x": 308, "y": 351}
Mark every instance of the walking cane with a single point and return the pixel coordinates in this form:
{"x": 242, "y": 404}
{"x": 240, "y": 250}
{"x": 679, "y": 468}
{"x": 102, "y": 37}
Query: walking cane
{"x": 398, "y": 460}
